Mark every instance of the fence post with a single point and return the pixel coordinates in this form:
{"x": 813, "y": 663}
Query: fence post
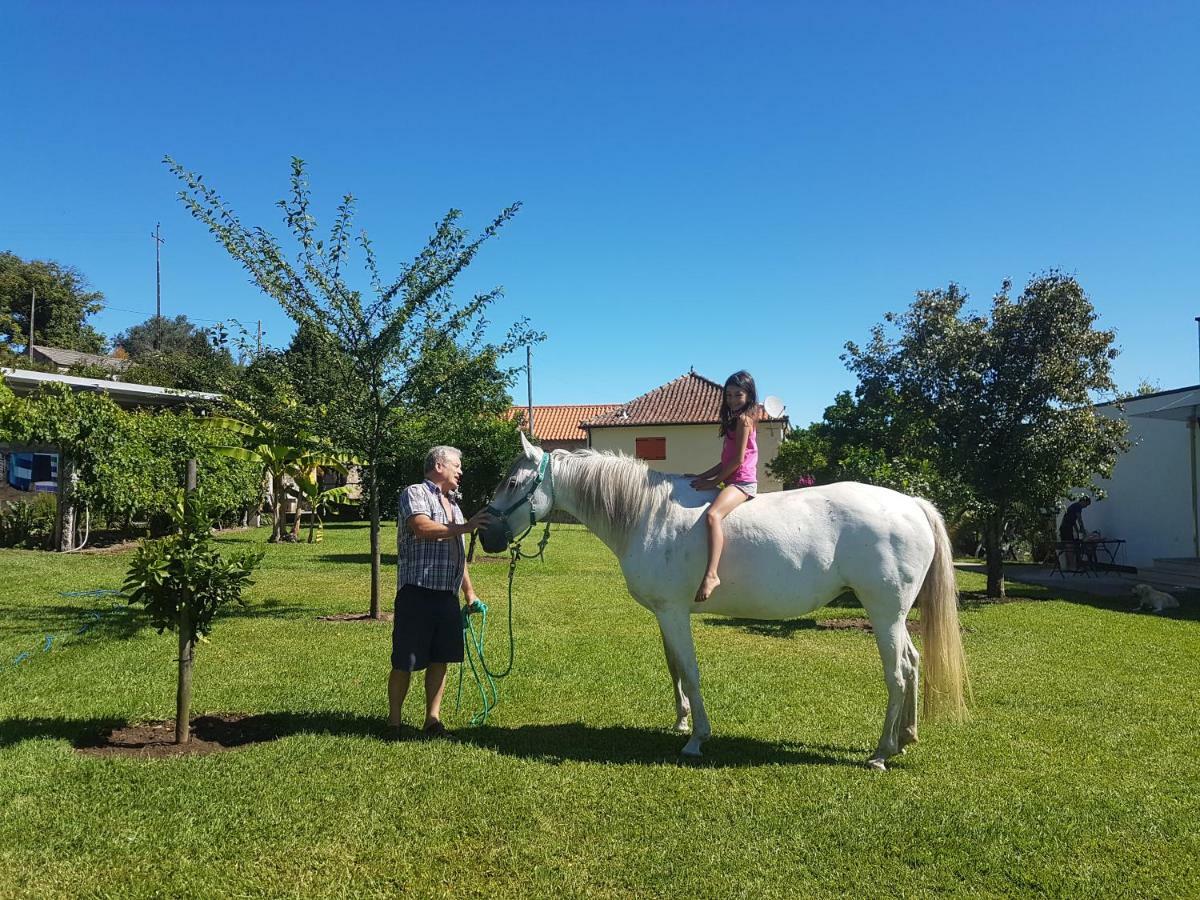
{"x": 183, "y": 695}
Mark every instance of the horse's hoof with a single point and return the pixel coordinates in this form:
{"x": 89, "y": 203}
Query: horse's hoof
{"x": 691, "y": 749}
{"x": 689, "y": 755}
{"x": 682, "y": 726}
{"x": 877, "y": 765}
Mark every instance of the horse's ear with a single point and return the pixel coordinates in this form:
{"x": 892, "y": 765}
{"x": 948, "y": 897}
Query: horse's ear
{"x": 530, "y": 451}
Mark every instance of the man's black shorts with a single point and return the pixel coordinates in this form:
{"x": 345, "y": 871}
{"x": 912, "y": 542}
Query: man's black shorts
{"x": 427, "y": 628}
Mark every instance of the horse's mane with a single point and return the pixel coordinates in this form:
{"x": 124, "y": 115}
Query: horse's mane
{"x": 614, "y": 490}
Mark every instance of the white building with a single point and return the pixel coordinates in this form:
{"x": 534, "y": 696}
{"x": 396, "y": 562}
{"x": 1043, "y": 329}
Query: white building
{"x": 1152, "y": 496}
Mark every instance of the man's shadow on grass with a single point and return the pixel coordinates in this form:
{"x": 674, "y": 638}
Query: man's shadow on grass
{"x": 551, "y": 743}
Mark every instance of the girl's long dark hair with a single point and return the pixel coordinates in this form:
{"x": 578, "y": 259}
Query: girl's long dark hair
{"x": 729, "y": 417}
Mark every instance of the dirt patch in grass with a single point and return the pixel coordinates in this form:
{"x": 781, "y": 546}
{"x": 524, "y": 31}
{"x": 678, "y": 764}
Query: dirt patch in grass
{"x": 860, "y": 624}
{"x": 210, "y": 734}
{"x": 355, "y": 617}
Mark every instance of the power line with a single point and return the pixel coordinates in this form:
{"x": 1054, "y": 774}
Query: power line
{"x": 148, "y": 314}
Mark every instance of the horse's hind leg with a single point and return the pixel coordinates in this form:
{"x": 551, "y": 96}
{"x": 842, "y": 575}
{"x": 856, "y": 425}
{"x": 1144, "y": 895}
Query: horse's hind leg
{"x": 681, "y": 651}
{"x": 908, "y": 717}
{"x": 893, "y": 641}
{"x": 682, "y": 707}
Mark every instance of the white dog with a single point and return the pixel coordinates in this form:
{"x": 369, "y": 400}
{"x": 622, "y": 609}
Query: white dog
{"x": 1155, "y": 601}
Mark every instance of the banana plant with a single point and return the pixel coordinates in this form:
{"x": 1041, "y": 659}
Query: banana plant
{"x": 308, "y": 487}
{"x": 280, "y": 456}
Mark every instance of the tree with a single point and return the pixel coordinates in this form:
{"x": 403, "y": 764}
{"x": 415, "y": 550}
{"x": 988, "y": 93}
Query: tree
{"x": 384, "y": 333}
{"x": 1001, "y": 404}
{"x": 158, "y": 334}
{"x": 175, "y": 353}
{"x": 183, "y": 581}
{"x": 875, "y": 440}
{"x": 64, "y": 303}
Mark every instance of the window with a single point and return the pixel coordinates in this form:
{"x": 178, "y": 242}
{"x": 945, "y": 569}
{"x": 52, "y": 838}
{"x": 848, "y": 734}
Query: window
{"x": 650, "y": 448}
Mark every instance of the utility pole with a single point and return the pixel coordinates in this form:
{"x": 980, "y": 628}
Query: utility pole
{"x": 32, "y": 311}
{"x": 158, "y": 242}
{"x": 529, "y": 385}
{"x": 259, "y": 351}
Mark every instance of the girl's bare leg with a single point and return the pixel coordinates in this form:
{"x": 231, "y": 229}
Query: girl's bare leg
{"x": 729, "y": 498}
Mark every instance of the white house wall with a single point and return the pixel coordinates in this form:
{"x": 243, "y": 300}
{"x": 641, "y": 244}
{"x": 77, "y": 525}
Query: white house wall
{"x": 690, "y": 448}
{"x": 1149, "y": 497}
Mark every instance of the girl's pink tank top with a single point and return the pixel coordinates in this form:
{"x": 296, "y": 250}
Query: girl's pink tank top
{"x": 748, "y": 470}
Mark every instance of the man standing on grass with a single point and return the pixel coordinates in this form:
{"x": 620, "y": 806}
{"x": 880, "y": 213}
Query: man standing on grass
{"x": 427, "y": 631}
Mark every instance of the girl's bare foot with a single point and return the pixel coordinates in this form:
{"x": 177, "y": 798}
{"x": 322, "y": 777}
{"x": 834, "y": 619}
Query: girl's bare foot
{"x": 707, "y": 586}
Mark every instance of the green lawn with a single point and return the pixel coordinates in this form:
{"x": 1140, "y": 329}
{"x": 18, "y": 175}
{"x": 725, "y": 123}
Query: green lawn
{"x": 1077, "y": 776}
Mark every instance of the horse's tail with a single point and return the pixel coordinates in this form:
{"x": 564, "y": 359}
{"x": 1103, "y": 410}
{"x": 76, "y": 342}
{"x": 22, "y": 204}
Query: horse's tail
{"x": 946, "y": 684}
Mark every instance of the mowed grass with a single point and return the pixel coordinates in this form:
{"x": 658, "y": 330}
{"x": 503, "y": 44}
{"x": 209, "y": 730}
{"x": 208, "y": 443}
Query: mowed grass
{"x": 1076, "y": 776}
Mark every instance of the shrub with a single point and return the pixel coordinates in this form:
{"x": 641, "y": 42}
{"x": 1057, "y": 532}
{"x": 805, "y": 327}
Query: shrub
{"x": 29, "y": 523}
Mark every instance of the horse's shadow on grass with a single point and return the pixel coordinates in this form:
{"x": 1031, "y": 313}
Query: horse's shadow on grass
{"x": 552, "y": 743}
{"x": 778, "y": 628}
{"x": 625, "y": 745}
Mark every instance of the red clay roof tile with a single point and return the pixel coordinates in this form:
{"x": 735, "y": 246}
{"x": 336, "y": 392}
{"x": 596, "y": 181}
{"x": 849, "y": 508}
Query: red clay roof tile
{"x": 561, "y": 423}
{"x": 690, "y": 399}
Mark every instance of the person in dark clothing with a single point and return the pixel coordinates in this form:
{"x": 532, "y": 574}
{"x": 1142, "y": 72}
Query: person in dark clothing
{"x": 1072, "y": 530}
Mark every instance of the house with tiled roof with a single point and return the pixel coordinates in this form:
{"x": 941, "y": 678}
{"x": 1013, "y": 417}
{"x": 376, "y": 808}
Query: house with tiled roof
{"x": 558, "y": 427}
{"x": 674, "y": 428}
{"x": 64, "y": 360}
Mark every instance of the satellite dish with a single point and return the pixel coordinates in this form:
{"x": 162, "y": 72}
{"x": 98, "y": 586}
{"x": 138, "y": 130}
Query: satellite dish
{"x": 774, "y": 407}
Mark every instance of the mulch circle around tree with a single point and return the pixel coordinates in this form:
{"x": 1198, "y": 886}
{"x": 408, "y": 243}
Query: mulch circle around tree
{"x": 156, "y": 740}
{"x": 355, "y": 617}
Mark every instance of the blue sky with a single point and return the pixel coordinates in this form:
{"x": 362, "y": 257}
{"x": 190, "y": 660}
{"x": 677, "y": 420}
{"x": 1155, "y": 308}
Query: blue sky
{"x": 718, "y": 185}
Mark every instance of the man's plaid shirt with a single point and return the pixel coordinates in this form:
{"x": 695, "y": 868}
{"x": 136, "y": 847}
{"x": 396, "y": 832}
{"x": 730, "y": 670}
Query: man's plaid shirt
{"x": 434, "y": 564}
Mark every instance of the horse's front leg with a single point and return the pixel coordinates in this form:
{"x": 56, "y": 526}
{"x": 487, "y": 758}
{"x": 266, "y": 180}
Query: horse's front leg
{"x": 676, "y": 626}
{"x": 682, "y": 706}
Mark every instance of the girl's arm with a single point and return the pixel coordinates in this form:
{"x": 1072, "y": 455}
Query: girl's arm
{"x": 742, "y": 437}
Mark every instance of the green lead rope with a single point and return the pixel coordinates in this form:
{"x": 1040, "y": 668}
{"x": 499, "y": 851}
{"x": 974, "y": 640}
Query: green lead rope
{"x": 474, "y": 638}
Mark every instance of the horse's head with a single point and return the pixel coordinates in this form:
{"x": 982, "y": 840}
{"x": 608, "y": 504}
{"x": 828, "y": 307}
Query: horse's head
{"x": 525, "y": 496}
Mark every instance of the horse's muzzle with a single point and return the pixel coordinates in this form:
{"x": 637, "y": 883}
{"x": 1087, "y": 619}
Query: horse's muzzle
{"x": 497, "y": 536}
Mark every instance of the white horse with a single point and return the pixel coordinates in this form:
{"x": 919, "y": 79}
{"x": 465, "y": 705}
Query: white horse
{"x": 786, "y": 554}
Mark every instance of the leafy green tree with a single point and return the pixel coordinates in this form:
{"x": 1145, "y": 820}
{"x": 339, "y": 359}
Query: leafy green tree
{"x": 999, "y": 403}
{"x": 184, "y": 581}
{"x": 160, "y": 334}
{"x": 383, "y": 332}
{"x": 64, "y": 303}
{"x": 875, "y": 440}
{"x": 457, "y": 399}
{"x": 323, "y": 380}
{"x": 176, "y": 353}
